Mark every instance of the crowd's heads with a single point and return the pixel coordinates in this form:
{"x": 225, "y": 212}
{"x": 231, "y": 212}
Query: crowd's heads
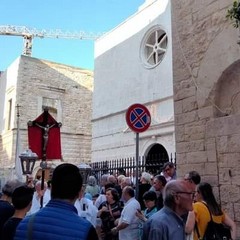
{"x": 150, "y": 196}
{"x": 178, "y": 197}
{"x": 193, "y": 176}
{"x": 112, "y": 179}
{"x": 113, "y": 192}
{"x": 126, "y": 181}
{"x": 169, "y": 169}
{"x": 120, "y": 178}
{"x": 159, "y": 182}
{"x": 104, "y": 179}
{"x": 10, "y": 186}
{"x": 92, "y": 181}
{"x": 205, "y": 193}
{"x": 66, "y": 182}
{"x": 22, "y": 197}
{"x": 145, "y": 177}
{"x": 128, "y": 192}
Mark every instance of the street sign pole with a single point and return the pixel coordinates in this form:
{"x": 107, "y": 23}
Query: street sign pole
{"x": 138, "y": 119}
{"x": 137, "y": 162}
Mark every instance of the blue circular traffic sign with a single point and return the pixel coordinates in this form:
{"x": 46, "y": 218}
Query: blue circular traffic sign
{"x": 138, "y": 118}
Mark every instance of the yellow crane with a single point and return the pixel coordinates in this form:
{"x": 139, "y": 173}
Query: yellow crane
{"x": 29, "y": 33}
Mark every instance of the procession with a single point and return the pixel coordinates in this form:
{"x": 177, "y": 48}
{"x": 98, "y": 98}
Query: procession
{"x": 124, "y": 129}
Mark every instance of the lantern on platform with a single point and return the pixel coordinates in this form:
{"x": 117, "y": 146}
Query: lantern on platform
{"x": 28, "y": 159}
{"x": 85, "y": 171}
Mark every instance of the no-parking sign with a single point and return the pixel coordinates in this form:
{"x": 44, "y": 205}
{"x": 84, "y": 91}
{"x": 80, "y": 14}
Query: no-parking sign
{"x": 138, "y": 118}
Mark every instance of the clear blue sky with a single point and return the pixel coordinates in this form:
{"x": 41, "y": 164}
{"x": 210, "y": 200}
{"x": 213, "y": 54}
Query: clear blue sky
{"x": 71, "y": 15}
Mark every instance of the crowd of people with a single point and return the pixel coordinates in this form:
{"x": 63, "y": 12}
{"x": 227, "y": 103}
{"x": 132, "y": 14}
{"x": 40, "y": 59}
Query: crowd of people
{"x": 166, "y": 207}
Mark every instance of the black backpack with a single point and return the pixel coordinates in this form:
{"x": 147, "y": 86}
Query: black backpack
{"x": 215, "y": 231}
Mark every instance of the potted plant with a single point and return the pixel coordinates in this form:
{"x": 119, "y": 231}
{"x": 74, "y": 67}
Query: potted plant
{"x": 234, "y": 14}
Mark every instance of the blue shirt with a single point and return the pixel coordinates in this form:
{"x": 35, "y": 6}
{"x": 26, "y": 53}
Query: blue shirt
{"x": 164, "y": 225}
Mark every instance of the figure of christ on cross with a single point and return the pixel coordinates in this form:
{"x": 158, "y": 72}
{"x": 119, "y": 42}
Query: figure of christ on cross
{"x": 46, "y": 127}
{"x": 45, "y": 134}
{"x": 44, "y": 139}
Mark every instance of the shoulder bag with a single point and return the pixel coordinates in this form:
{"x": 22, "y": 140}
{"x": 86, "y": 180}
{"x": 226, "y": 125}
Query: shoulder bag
{"x": 214, "y": 231}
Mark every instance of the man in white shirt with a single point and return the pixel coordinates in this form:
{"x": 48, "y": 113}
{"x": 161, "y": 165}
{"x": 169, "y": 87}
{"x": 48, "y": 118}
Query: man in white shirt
{"x": 128, "y": 222}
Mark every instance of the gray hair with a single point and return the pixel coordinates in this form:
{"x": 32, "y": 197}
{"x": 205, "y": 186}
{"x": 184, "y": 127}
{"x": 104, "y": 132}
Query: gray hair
{"x": 146, "y": 176}
{"x": 127, "y": 181}
{"x": 120, "y": 178}
{"x": 104, "y": 178}
{"x": 10, "y": 186}
{"x": 92, "y": 181}
{"x": 112, "y": 179}
{"x": 170, "y": 190}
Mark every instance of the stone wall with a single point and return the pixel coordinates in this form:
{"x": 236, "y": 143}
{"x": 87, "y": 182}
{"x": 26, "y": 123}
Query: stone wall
{"x": 207, "y": 135}
{"x": 67, "y": 91}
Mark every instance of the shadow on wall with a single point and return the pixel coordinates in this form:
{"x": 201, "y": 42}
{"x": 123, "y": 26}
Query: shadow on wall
{"x": 227, "y": 94}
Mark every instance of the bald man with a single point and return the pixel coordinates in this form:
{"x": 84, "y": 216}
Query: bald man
{"x": 167, "y": 223}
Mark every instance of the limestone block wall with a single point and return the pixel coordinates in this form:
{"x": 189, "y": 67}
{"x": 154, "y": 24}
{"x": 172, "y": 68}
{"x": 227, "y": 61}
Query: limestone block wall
{"x": 66, "y": 91}
{"x": 206, "y": 131}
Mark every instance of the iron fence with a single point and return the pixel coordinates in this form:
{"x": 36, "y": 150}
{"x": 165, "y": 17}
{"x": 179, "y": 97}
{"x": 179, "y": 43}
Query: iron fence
{"x": 152, "y": 164}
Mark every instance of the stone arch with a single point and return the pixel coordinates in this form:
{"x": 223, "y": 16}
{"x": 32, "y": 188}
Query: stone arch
{"x": 210, "y": 71}
{"x": 156, "y": 155}
{"x": 227, "y": 95}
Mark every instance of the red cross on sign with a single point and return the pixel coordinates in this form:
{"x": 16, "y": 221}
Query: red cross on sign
{"x": 138, "y": 118}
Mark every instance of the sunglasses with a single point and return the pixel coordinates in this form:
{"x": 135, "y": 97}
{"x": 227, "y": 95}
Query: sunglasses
{"x": 189, "y": 193}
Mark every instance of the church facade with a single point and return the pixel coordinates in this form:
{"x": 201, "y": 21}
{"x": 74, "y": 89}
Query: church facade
{"x": 133, "y": 65}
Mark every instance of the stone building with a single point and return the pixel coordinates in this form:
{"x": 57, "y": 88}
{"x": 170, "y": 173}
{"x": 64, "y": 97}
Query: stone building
{"x": 133, "y": 64}
{"x": 206, "y": 79}
{"x": 34, "y": 84}
{"x": 202, "y": 65}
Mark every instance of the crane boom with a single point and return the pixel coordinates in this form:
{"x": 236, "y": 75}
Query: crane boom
{"x": 29, "y": 33}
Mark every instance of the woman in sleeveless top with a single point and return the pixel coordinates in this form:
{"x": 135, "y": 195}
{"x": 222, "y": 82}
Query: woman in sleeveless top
{"x": 109, "y": 212}
{"x": 200, "y": 214}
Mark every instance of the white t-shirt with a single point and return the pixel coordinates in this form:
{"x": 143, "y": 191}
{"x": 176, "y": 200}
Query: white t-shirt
{"x": 128, "y": 215}
{"x": 90, "y": 212}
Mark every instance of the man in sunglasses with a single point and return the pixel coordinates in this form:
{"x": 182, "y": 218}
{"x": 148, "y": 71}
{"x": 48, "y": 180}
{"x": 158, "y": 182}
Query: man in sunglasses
{"x": 167, "y": 223}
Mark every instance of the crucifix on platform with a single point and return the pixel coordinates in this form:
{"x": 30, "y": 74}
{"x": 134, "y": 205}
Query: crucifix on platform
{"x": 45, "y": 135}
{"x": 44, "y": 140}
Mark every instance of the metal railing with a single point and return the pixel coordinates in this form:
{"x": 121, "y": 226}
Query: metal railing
{"x": 152, "y": 164}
